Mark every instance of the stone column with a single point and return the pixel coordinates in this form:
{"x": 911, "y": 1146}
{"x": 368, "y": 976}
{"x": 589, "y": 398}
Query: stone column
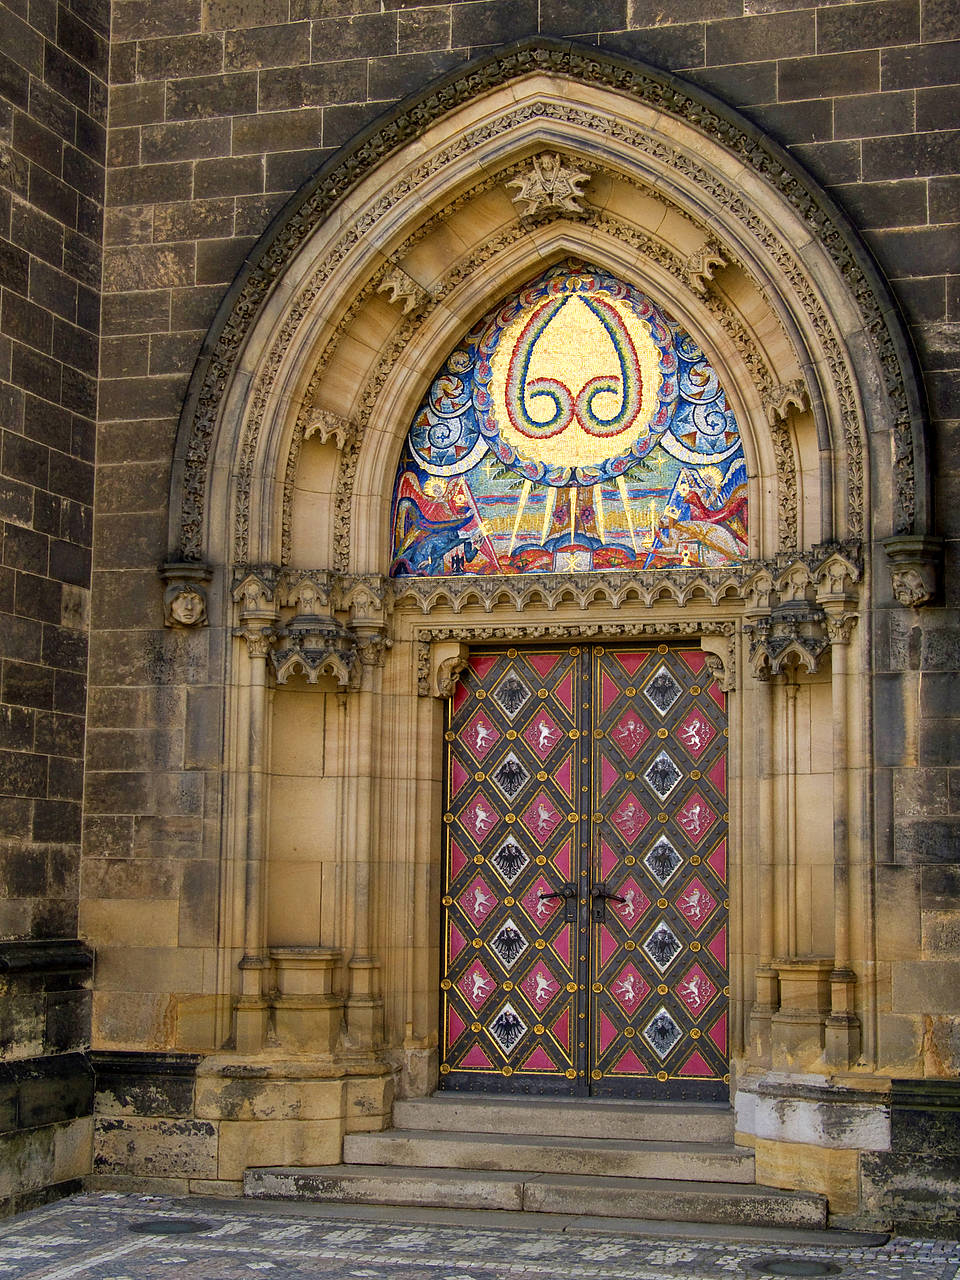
{"x": 767, "y": 990}
{"x": 252, "y": 1009}
{"x": 842, "y": 1032}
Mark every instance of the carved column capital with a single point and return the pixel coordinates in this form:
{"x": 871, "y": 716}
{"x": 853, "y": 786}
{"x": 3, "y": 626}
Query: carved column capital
{"x": 260, "y": 640}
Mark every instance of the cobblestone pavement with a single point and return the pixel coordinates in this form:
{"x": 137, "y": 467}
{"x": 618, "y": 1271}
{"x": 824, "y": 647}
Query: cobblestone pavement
{"x": 93, "y": 1237}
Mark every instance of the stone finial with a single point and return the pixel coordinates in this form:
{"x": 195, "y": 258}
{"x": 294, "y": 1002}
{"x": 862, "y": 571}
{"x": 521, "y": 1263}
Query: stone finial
{"x": 914, "y": 564}
{"x": 549, "y": 183}
{"x": 779, "y": 400}
{"x": 402, "y": 288}
{"x": 185, "y": 593}
{"x": 327, "y": 425}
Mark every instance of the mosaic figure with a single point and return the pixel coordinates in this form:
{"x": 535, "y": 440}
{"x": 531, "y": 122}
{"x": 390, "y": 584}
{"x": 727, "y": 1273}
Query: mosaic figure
{"x": 576, "y": 427}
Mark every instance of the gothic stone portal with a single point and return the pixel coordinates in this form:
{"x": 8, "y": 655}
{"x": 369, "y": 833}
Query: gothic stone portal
{"x": 585, "y": 908}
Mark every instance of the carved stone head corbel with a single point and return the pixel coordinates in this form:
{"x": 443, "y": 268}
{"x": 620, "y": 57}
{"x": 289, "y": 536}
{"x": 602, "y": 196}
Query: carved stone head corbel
{"x": 914, "y": 564}
{"x": 185, "y": 593}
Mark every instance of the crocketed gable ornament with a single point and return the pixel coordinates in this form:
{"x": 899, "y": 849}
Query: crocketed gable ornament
{"x": 576, "y": 427}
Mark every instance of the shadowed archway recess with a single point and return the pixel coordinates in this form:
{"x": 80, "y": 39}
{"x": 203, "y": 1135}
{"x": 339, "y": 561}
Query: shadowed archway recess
{"x": 676, "y": 191}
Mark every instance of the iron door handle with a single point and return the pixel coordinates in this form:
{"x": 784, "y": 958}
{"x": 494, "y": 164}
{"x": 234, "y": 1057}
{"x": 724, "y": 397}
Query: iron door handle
{"x": 600, "y": 898}
{"x": 568, "y": 892}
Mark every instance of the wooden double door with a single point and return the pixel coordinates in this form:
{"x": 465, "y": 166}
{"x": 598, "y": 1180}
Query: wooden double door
{"x": 585, "y": 869}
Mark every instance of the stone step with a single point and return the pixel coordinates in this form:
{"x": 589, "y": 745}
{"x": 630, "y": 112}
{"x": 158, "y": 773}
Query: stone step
{"x": 654, "y": 1199}
{"x": 590, "y": 1118}
{"x": 591, "y": 1157}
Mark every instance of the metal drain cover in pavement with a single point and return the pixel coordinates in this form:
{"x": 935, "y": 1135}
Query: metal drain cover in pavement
{"x": 170, "y": 1226}
{"x": 793, "y": 1267}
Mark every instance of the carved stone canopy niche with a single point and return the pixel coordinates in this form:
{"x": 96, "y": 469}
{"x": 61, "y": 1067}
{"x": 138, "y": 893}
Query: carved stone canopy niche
{"x": 624, "y": 166}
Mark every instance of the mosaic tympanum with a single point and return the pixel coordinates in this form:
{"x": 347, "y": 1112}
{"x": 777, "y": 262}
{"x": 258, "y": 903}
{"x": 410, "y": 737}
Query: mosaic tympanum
{"x": 576, "y": 427}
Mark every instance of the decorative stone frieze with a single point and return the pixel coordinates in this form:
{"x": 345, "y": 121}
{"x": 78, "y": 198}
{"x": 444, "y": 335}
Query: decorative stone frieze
{"x": 185, "y": 593}
{"x": 550, "y": 184}
{"x": 914, "y": 567}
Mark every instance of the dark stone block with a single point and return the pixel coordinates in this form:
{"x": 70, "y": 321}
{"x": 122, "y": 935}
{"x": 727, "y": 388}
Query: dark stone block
{"x": 671, "y": 47}
{"x": 70, "y": 692}
{"x": 184, "y": 140}
{"x": 35, "y": 232}
{"x": 314, "y": 86}
{"x": 288, "y": 170}
{"x": 59, "y": 734}
{"x": 67, "y": 77}
{"x": 797, "y": 121}
{"x": 146, "y": 184}
{"x": 791, "y": 35}
{"x": 391, "y": 78}
{"x": 868, "y": 26}
{"x": 194, "y": 220}
{"x": 254, "y": 212}
{"x": 909, "y": 1193}
{"x": 145, "y": 397}
{"x": 146, "y": 1084}
{"x": 39, "y": 598}
{"x": 366, "y": 35}
{"x": 37, "y": 143}
{"x": 924, "y": 251}
{"x": 25, "y": 549}
{"x": 52, "y": 289}
{"x": 56, "y": 821}
{"x": 65, "y": 648}
{"x": 581, "y": 17}
{"x": 174, "y": 57}
{"x": 54, "y": 1090}
{"x": 26, "y": 322}
{"x": 940, "y": 887}
{"x": 23, "y": 44}
{"x": 920, "y": 65}
{"x": 927, "y": 841}
{"x": 16, "y": 728}
{"x": 911, "y": 155}
{"x": 873, "y": 115}
{"x": 14, "y": 267}
{"x": 15, "y": 815}
{"x": 65, "y": 778}
{"x": 27, "y": 684}
{"x": 938, "y": 108}
{"x": 941, "y": 20}
{"x": 830, "y": 75}
{"x": 75, "y": 346}
{"x": 278, "y": 131}
{"x": 944, "y": 199}
{"x": 14, "y": 82}
{"x": 24, "y": 875}
{"x": 82, "y": 42}
{"x": 216, "y": 95}
{"x": 50, "y": 424}
{"x": 423, "y": 30}
{"x": 137, "y": 104}
{"x": 70, "y": 477}
{"x": 884, "y": 204}
{"x": 16, "y": 502}
{"x": 340, "y": 124}
{"x": 135, "y": 312}
{"x": 78, "y": 391}
{"x": 23, "y": 773}
{"x": 143, "y": 19}
{"x": 280, "y": 45}
{"x": 940, "y": 694}
{"x": 233, "y": 176}
{"x": 491, "y": 22}
{"x": 91, "y": 137}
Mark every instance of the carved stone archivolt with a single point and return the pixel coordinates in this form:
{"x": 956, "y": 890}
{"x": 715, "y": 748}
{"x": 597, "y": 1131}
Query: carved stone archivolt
{"x": 202, "y": 412}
